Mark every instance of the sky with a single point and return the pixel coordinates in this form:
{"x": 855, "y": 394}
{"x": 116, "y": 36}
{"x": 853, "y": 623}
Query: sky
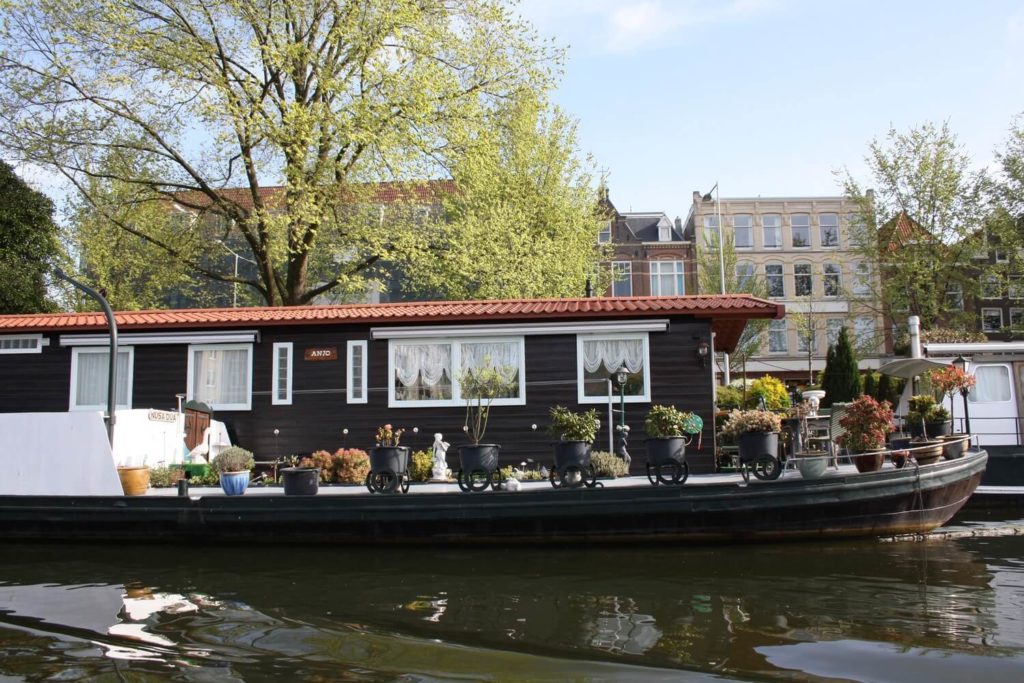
{"x": 772, "y": 97}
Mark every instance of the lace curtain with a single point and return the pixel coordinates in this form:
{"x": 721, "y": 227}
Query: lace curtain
{"x": 425, "y": 363}
{"x": 502, "y": 356}
{"x": 221, "y": 376}
{"x": 611, "y": 354}
{"x": 91, "y": 383}
{"x": 993, "y": 384}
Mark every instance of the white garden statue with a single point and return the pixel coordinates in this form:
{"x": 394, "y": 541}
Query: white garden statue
{"x": 440, "y": 469}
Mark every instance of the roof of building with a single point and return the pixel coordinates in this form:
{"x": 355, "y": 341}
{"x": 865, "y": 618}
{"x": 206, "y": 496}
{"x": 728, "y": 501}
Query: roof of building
{"x": 644, "y": 226}
{"x": 729, "y": 314}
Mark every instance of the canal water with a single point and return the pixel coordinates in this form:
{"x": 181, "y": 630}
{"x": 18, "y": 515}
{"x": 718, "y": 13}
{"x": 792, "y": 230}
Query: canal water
{"x": 851, "y": 611}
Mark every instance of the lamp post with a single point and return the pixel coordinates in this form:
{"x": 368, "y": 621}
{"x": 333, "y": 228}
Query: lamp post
{"x": 965, "y": 365}
{"x": 234, "y": 285}
{"x": 721, "y": 263}
{"x": 621, "y": 375}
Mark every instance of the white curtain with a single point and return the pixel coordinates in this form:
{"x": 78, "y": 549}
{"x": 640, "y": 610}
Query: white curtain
{"x": 426, "y": 363}
{"x": 502, "y": 356}
{"x": 993, "y": 384}
{"x": 221, "y": 376}
{"x": 611, "y": 354}
{"x": 92, "y": 377}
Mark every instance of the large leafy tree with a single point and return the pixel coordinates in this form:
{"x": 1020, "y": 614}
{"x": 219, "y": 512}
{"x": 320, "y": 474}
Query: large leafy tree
{"x": 922, "y": 224}
{"x": 318, "y": 96}
{"x": 29, "y": 245}
{"x": 522, "y": 221}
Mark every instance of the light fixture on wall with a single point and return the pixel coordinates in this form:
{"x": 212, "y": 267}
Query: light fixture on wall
{"x": 703, "y": 351}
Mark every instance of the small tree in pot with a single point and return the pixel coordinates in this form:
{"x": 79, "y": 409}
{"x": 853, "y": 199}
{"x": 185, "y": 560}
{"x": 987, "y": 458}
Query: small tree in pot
{"x": 867, "y": 423}
{"x": 950, "y": 381}
{"x": 668, "y": 430}
{"x": 234, "y": 464}
{"x": 576, "y": 432}
{"x": 389, "y": 462}
{"x": 479, "y": 461}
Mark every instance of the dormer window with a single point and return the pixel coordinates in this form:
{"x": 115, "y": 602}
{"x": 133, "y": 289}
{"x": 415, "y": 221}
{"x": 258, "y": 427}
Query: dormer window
{"x": 605, "y": 235}
{"x": 664, "y": 231}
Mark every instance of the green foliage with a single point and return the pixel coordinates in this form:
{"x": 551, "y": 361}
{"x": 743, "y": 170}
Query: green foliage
{"x": 570, "y": 426}
{"x": 205, "y": 476}
{"x": 234, "y": 459}
{"x": 523, "y": 222}
{"x": 326, "y": 97}
{"x": 842, "y": 376}
{"x": 728, "y": 397}
{"x": 28, "y": 245}
{"x": 772, "y": 390}
{"x": 871, "y": 385}
{"x": 867, "y": 422}
{"x": 666, "y": 421}
{"x": 886, "y": 390}
{"x": 421, "y": 465}
{"x": 480, "y": 386}
{"x": 608, "y": 464}
{"x": 744, "y": 421}
{"x": 165, "y": 477}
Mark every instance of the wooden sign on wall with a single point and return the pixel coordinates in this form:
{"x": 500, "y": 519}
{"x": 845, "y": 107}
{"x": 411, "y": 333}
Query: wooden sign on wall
{"x": 321, "y": 353}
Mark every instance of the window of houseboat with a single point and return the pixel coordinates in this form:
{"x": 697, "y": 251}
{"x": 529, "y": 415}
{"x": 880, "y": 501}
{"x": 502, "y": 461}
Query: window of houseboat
{"x": 282, "y": 390}
{"x": 220, "y": 375}
{"x": 993, "y": 384}
{"x": 426, "y": 372}
{"x": 598, "y": 357}
{"x": 356, "y": 382}
{"x": 90, "y": 376}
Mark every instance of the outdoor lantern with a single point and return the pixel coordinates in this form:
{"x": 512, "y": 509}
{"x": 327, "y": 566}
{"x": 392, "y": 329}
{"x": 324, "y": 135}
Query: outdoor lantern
{"x": 702, "y": 353}
{"x": 965, "y": 365}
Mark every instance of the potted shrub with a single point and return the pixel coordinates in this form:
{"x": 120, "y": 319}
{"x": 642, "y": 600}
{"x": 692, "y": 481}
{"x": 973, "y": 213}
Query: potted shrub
{"x": 867, "y": 423}
{"x": 233, "y": 465}
{"x": 479, "y": 461}
{"x": 950, "y": 381}
{"x": 756, "y": 433}
{"x": 668, "y": 430}
{"x": 300, "y": 478}
{"x": 926, "y": 418}
{"x": 576, "y": 433}
{"x": 389, "y": 462}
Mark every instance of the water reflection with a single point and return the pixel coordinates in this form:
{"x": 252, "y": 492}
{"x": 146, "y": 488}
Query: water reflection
{"x": 808, "y": 612}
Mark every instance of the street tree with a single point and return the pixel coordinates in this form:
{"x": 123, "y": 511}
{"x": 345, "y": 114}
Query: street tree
{"x": 320, "y": 97}
{"x": 29, "y": 245}
{"x": 922, "y": 225}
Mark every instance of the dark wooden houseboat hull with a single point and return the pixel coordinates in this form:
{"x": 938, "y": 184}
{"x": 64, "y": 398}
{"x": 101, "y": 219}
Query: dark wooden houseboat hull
{"x": 891, "y": 501}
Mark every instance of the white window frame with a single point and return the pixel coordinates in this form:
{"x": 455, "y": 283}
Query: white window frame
{"x": 351, "y": 346}
{"x": 781, "y": 327}
{"x": 776, "y": 228}
{"x": 39, "y": 340}
{"x": 76, "y": 352}
{"x": 580, "y": 373}
{"x": 861, "y": 279}
{"x": 1015, "y": 286}
{"x": 456, "y": 344}
{"x": 984, "y": 312}
{"x": 821, "y": 231}
{"x": 664, "y": 231}
{"x": 190, "y": 390}
{"x": 833, "y": 326}
{"x": 748, "y": 226}
{"x": 991, "y": 287}
{"x": 955, "y": 296}
{"x": 604, "y": 235}
{"x": 781, "y": 276}
{"x": 625, "y": 270}
{"x": 711, "y": 226}
{"x": 678, "y": 273}
{"x": 275, "y": 376}
{"x": 836, "y": 276}
{"x": 808, "y": 276}
{"x": 793, "y": 226}
{"x": 1019, "y": 314}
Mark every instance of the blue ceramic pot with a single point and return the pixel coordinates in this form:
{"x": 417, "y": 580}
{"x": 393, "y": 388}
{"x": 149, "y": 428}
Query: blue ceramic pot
{"x": 234, "y": 483}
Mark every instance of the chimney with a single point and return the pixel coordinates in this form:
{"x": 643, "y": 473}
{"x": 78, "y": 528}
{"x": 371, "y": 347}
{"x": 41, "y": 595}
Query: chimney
{"x": 914, "y": 325}
{"x": 679, "y": 225}
{"x": 697, "y": 196}
{"x": 589, "y": 291}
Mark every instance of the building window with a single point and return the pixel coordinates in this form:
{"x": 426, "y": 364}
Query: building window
{"x": 745, "y": 271}
{"x": 598, "y": 357}
{"x": 955, "y": 296}
{"x": 90, "y": 377}
{"x": 772, "y": 225}
{"x": 990, "y": 287}
{"x": 622, "y": 278}
{"x": 426, "y": 372}
{"x": 829, "y": 223}
{"x": 281, "y": 394}
{"x": 711, "y": 231}
{"x": 1002, "y": 256}
{"x": 355, "y": 362}
{"x": 864, "y": 331}
{"x": 862, "y": 279}
{"x": 743, "y": 231}
{"x": 802, "y": 279}
{"x": 605, "y": 235}
{"x": 833, "y": 279}
{"x": 773, "y": 279}
{"x": 832, "y": 329}
{"x": 667, "y": 278}
{"x": 21, "y": 343}
{"x": 664, "y": 231}
{"x": 220, "y": 375}
{"x": 991, "y": 319}
{"x": 1016, "y": 286}
{"x": 777, "y": 336}
{"x": 801, "y": 226}
{"x": 1017, "y": 319}
{"x": 805, "y": 336}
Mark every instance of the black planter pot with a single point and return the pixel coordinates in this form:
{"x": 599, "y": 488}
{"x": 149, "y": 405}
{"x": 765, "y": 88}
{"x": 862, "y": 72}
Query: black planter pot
{"x": 752, "y": 445}
{"x": 480, "y": 456}
{"x": 300, "y": 481}
{"x": 394, "y": 459}
{"x": 661, "y": 451}
{"x": 936, "y": 429}
{"x": 572, "y": 454}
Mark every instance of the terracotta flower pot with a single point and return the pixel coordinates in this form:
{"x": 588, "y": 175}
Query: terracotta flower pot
{"x": 869, "y": 461}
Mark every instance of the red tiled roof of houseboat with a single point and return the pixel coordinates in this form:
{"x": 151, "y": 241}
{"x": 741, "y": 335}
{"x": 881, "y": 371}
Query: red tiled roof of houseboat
{"x": 729, "y": 313}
